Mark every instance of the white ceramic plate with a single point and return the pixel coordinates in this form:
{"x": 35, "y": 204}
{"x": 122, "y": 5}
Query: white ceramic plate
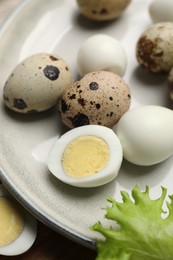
{"x": 25, "y": 140}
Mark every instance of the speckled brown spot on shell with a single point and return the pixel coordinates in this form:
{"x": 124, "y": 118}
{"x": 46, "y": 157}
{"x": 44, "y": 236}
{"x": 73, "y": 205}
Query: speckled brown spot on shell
{"x": 79, "y": 120}
{"x": 82, "y": 102}
{"x": 94, "y": 86}
{"x": 64, "y": 106}
{"x": 19, "y": 103}
{"x": 104, "y": 11}
{"x": 6, "y": 98}
{"x": 73, "y": 96}
{"x": 51, "y": 72}
{"x": 98, "y": 106}
{"x": 53, "y": 58}
{"x": 145, "y": 49}
{"x": 94, "y": 12}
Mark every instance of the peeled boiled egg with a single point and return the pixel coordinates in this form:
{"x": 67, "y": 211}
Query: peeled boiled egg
{"x": 161, "y": 11}
{"x": 18, "y": 228}
{"x": 146, "y": 134}
{"x": 86, "y": 156}
{"x": 102, "y": 52}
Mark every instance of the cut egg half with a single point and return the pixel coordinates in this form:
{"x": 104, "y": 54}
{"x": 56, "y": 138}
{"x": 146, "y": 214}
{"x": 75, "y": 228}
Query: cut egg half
{"x": 86, "y": 156}
{"x": 18, "y": 227}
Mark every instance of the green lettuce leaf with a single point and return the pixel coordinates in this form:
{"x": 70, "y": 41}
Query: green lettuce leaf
{"x": 145, "y": 231}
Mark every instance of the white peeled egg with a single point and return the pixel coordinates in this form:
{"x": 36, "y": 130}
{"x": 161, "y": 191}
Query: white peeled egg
{"x": 28, "y": 234}
{"x": 146, "y": 134}
{"x": 161, "y": 10}
{"x": 86, "y": 156}
{"x": 102, "y": 52}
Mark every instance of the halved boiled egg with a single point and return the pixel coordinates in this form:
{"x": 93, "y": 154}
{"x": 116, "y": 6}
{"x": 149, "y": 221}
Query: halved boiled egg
{"x": 18, "y": 228}
{"x": 86, "y": 156}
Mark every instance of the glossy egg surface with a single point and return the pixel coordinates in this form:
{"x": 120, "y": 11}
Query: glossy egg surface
{"x": 146, "y": 134}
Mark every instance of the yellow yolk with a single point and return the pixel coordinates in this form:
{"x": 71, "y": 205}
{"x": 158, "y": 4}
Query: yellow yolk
{"x": 11, "y": 221}
{"x": 85, "y": 156}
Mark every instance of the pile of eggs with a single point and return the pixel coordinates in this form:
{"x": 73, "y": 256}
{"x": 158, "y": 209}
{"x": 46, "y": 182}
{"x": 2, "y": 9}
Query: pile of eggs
{"x": 96, "y": 107}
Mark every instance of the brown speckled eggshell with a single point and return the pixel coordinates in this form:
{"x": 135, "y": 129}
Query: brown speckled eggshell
{"x": 99, "y": 98}
{"x": 102, "y": 10}
{"x": 170, "y": 83}
{"x": 36, "y": 83}
{"x": 154, "y": 50}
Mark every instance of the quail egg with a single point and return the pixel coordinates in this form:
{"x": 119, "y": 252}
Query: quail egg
{"x": 36, "y": 83}
{"x": 18, "y": 227}
{"x": 101, "y": 10}
{"x": 102, "y": 52}
{"x": 87, "y": 156}
{"x": 146, "y": 134}
{"x": 154, "y": 50}
{"x": 98, "y": 98}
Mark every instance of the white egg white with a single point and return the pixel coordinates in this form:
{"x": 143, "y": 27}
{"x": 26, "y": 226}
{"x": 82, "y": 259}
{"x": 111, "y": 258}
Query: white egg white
{"x": 146, "y": 134}
{"x": 26, "y": 239}
{"x": 102, "y": 177}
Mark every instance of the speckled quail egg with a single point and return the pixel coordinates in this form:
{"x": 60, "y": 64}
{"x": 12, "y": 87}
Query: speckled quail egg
{"x": 101, "y": 10}
{"x": 146, "y": 134}
{"x": 36, "y": 83}
{"x": 87, "y": 156}
{"x": 170, "y": 83}
{"x": 18, "y": 227}
{"x": 102, "y": 52}
{"x": 154, "y": 48}
{"x": 161, "y": 11}
{"x": 98, "y": 98}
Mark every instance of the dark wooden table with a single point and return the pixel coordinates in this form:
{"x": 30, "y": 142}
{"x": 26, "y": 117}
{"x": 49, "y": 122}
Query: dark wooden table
{"x": 49, "y": 245}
